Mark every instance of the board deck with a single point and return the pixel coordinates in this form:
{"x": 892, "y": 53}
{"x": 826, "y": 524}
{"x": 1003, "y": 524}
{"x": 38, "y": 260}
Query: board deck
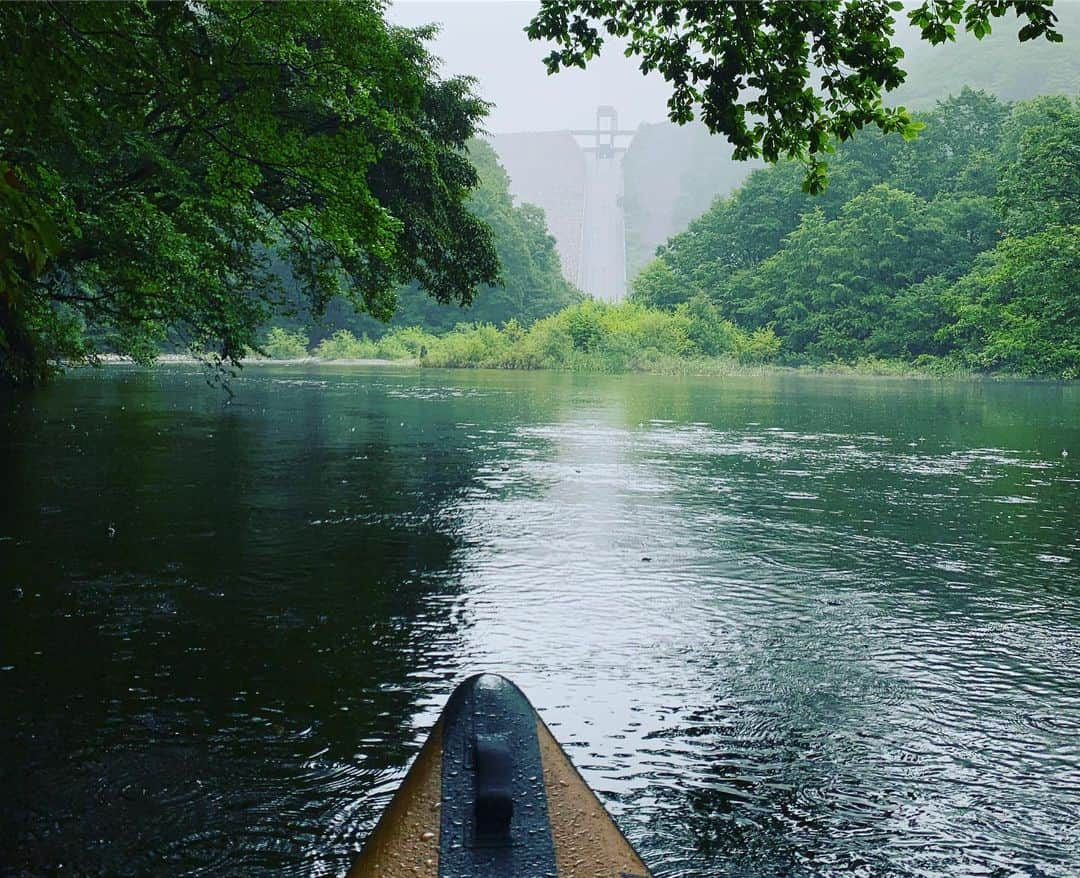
{"x": 493, "y": 795}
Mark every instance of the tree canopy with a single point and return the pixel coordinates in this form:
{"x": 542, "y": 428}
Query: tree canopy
{"x": 165, "y": 165}
{"x": 778, "y": 79}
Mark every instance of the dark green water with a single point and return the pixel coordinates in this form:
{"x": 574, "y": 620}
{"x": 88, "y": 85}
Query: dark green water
{"x": 854, "y": 647}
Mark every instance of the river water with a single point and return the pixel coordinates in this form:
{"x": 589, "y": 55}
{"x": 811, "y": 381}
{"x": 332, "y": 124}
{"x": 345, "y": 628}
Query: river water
{"x": 784, "y": 625}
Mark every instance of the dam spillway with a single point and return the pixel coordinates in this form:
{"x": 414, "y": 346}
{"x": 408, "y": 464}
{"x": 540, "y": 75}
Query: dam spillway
{"x": 580, "y": 188}
{"x": 603, "y": 264}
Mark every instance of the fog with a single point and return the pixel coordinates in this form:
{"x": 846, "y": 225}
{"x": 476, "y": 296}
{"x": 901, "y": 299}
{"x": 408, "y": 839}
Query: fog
{"x": 487, "y": 40}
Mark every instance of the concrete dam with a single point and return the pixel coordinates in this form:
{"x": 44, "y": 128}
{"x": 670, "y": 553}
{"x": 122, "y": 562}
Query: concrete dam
{"x": 576, "y": 176}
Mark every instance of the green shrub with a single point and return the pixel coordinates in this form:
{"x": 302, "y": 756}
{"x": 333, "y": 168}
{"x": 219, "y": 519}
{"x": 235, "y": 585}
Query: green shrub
{"x": 710, "y": 334}
{"x": 547, "y": 345}
{"x": 632, "y": 331}
{"x": 343, "y": 345}
{"x": 583, "y": 322}
{"x": 407, "y": 343}
{"x": 284, "y": 345}
{"x": 760, "y": 346}
{"x": 470, "y": 346}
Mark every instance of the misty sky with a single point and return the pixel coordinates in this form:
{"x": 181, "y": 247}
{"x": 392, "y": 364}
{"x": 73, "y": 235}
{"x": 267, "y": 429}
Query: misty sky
{"x": 486, "y": 40}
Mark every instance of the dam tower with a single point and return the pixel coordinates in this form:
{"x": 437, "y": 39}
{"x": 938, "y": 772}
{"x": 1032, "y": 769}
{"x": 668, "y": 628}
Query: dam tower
{"x": 576, "y": 176}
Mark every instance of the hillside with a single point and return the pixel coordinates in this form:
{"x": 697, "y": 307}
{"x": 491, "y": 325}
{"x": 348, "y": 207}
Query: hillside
{"x": 962, "y": 244}
{"x": 671, "y": 175}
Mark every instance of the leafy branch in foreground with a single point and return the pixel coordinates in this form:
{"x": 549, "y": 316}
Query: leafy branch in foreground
{"x": 778, "y": 79}
{"x": 205, "y": 165}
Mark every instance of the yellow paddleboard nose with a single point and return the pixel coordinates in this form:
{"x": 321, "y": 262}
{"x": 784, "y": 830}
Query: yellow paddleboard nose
{"x": 493, "y": 795}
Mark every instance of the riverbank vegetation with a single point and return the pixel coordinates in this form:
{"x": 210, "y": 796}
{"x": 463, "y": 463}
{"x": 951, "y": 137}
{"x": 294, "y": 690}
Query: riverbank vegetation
{"x": 592, "y": 337}
{"x": 589, "y": 336}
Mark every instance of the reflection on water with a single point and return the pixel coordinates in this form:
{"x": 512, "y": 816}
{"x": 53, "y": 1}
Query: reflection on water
{"x": 783, "y": 625}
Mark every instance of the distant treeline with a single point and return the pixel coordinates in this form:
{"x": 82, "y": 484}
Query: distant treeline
{"x": 533, "y": 284}
{"x": 962, "y": 245}
{"x": 672, "y": 173}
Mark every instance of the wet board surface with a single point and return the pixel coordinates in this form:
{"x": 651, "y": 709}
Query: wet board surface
{"x": 492, "y": 794}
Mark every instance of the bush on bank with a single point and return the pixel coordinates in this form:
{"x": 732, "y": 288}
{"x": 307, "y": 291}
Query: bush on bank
{"x": 590, "y": 336}
{"x": 281, "y": 344}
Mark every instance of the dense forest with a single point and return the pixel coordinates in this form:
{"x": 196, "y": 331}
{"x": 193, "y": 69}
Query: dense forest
{"x": 964, "y": 243}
